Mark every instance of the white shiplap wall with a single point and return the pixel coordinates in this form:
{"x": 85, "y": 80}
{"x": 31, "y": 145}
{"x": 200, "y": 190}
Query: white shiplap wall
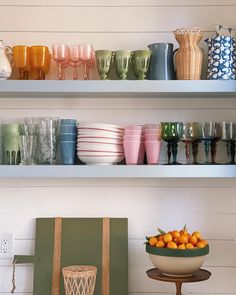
{"x": 207, "y": 205}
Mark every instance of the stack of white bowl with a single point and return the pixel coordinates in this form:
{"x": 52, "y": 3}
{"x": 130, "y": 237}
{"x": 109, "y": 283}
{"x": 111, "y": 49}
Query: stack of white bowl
{"x": 100, "y": 144}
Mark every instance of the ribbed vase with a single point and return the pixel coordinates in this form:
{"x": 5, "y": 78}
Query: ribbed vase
{"x": 189, "y": 55}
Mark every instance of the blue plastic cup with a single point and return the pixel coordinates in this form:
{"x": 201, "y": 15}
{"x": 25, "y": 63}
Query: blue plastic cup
{"x": 68, "y": 152}
{"x": 68, "y": 136}
{"x": 68, "y": 122}
{"x": 68, "y": 129}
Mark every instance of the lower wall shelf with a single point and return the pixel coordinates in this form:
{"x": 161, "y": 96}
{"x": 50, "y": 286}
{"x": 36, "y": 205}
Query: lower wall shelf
{"x": 119, "y": 171}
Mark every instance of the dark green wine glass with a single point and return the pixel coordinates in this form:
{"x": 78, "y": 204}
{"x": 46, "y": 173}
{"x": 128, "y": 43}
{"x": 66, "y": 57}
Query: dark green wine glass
{"x": 171, "y": 132}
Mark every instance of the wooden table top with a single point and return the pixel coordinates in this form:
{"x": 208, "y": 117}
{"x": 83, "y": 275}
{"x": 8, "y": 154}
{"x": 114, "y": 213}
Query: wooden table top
{"x": 200, "y": 275}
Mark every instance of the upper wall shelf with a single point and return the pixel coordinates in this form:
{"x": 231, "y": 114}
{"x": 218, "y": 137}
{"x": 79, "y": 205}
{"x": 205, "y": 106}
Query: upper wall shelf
{"x": 117, "y": 89}
{"x": 119, "y": 171}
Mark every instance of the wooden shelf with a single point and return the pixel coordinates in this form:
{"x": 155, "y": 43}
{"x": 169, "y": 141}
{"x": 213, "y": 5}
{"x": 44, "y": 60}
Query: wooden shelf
{"x": 117, "y": 89}
{"x": 119, "y": 171}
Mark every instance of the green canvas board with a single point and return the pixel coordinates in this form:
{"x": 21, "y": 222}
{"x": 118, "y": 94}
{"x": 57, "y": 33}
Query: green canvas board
{"x": 81, "y": 244}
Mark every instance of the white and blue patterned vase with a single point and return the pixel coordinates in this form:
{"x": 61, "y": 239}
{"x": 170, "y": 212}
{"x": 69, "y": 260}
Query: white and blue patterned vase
{"x": 221, "y": 58}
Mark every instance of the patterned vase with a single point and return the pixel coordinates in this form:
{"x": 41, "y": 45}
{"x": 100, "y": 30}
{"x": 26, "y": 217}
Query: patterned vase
{"x": 221, "y": 58}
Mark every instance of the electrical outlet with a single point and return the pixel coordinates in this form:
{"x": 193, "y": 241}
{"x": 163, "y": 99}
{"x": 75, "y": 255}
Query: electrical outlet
{"x": 6, "y": 245}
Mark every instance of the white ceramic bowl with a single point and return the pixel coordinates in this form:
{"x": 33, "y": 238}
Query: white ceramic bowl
{"x": 100, "y": 147}
{"x": 107, "y": 134}
{"x": 99, "y": 140}
{"x": 176, "y": 262}
{"x": 99, "y": 126}
{"x": 100, "y": 160}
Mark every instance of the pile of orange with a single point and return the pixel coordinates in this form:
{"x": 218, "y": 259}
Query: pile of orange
{"x": 177, "y": 239}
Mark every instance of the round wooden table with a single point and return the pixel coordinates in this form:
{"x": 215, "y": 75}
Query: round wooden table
{"x": 198, "y": 276}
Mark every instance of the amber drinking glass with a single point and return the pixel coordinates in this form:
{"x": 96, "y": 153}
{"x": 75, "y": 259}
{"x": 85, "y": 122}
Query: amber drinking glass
{"x": 171, "y": 132}
{"x": 191, "y": 132}
{"x": 21, "y": 59}
{"x": 60, "y": 53}
{"x": 39, "y": 56}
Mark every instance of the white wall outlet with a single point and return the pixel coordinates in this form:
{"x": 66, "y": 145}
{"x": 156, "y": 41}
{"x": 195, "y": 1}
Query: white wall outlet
{"x": 6, "y": 245}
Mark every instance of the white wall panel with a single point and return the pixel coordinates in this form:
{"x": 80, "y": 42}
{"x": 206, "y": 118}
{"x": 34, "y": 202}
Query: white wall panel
{"x": 207, "y": 205}
{"x": 134, "y": 19}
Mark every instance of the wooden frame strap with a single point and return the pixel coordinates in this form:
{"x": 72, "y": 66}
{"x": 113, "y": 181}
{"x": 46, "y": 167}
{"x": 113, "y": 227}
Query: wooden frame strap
{"x": 56, "y": 269}
{"x": 106, "y": 256}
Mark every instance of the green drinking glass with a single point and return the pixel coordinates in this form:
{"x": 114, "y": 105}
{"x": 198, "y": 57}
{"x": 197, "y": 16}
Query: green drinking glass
{"x": 171, "y": 133}
{"x": 141, "y": 61}
{"x": 103, "y": 61}
{"x": 122, "y": 61}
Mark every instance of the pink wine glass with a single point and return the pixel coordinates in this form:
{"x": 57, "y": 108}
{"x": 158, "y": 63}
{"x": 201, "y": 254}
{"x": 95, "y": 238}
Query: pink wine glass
{"x": 61, "y": 56}
{"x": 74, "y": 59}
{"x": 86, "y": 53}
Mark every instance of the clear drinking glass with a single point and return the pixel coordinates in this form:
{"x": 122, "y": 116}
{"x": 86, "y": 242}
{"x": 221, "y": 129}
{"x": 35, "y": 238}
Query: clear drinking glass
{"x": 229, "y": 136}
{"x": 211, "y": 133}
{"x": 47, "y": 140}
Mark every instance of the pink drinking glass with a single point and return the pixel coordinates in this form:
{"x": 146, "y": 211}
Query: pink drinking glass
{"x": 74, "y": 59}
{"x": 61, "y": 56}
{"x": 86, "y": 53}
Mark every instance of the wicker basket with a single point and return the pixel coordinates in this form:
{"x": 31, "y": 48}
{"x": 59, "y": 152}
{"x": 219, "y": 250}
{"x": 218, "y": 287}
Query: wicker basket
{"x": 79, "y": 279}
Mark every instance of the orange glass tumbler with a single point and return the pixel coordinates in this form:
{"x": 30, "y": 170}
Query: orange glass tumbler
{"x": 40, "y": 60}
{"x": 21, "y": 59}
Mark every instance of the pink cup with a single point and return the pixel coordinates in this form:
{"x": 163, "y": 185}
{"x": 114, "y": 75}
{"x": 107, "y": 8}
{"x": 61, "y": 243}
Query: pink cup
{"x": 152, "y": 126}
{"x": 152, "y": 131}
{"x": 133, "y": 127}
{"x": 141, "y": 153}
{"x": 133, "y": 132}
{"x": 132, "y": 137}
{"x": 153, "y": 149}
{"x": 152, "y": 137}
{"x": 131, "y": 150}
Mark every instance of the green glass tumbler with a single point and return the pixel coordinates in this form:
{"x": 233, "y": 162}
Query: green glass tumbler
{"x": 122, "y": 61}
{"x": 103, "y": 61}
{"x": 141, "y": 61}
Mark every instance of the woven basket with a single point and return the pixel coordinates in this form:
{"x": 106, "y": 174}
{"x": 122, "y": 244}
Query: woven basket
{"x": 79, "y": 279}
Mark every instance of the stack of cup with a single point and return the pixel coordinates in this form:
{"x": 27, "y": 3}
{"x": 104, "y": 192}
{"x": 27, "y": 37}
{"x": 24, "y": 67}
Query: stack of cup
{"x": 68, "y": 134}
{"x": 28, "y": 141}
{"x": 11, "y": 144}
{"x": 152, "y": 142}
{"x": 133, "y": 145}
{"x": 47, "y": 140}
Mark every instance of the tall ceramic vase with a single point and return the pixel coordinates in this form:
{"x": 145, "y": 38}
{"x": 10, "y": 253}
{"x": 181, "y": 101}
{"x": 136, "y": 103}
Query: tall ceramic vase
{"x": 189, "y": 56}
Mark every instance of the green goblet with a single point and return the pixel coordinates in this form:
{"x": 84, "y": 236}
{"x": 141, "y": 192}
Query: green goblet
{"x": 122, "y": 61}
{"x": 171, "y": 132}
{"x": 141, "y": 60}
{"x": 103, "y": 61}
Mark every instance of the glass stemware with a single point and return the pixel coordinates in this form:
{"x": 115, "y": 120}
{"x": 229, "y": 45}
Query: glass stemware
{"x": 122, "y": 62}
{"x": 171, "y": 132}
{"x": 211, "y": 133}
{"x": 74, "y": 59}
{"x": 103, "y": 61}
{"x": 191, "y": 131}
{"x": 229, "y": 136}
{"x": 61, "y": 56}
{"x": 141, "y": 60}
{"x": 86, "y": 53}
